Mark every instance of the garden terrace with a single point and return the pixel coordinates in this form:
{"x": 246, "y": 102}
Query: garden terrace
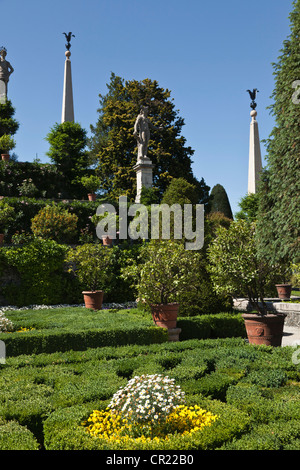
{"x": 45, "y": 397}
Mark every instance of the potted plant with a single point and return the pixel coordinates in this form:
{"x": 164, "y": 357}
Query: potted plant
{"x": 108, "y": 228}
{"x": 163, "y": 271}
{"x": 91, "y": 184}
{"x": 7, "y": 143}
{"x": 91, "y": 264}
{"x": 284, "y": 288}
{"x": 7, "y": 216}
{"x": 237, "y": 270}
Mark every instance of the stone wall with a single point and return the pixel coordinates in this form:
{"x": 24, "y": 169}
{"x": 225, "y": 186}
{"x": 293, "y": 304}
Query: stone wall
{"x": 291, "y": 309}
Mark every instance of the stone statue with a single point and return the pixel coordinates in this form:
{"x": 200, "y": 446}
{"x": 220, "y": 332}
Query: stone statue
{"x": 252, "y": 95}
{"x": 5, "y": 71}
{"x": 68, "y": 39}
{"x": 142, "y": 132}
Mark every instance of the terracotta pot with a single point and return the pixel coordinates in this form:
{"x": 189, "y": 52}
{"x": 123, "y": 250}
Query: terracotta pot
{"x": 284, "y": 291}
{"x": 5, "y": 157}
{"x": 93, "y": 299}
{"x": 107, "y": 241}
{"x": 1, "y": 238}
{"x": 264, "y": 329}
{"x": 92, "y": 196}
{"x": 165, "y": 315}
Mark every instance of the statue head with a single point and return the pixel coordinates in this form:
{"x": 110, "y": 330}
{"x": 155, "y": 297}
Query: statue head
{"x": 144, "y": 110}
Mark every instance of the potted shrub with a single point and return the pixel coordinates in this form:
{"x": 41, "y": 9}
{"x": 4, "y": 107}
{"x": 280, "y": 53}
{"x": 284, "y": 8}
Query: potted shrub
{"x": 7, "y": 216}
{"x": 110, "y": 224}
{"x": 91, "y": 184}
{"x": 7, "y": 143}
{"x": 91, "y": 264}
{"x": 163, "y": 271}
{"x": 236, "y": 269}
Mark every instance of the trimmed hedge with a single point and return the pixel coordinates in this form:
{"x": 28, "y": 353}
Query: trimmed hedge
{"x": 54, "y": 332}
{"x": 222, "y": 325}
{"x": 253, "y": 389}
{"x": 50, "y": 341}
{"x": 16, "y": 437}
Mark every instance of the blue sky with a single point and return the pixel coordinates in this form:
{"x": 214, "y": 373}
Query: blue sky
{"x": 208, "y": 53}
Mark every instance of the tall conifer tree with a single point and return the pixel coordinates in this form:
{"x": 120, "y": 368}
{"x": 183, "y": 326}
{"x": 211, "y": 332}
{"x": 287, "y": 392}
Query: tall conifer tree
{"x": 279, "y": 195}
{"x": 220, "y": 202}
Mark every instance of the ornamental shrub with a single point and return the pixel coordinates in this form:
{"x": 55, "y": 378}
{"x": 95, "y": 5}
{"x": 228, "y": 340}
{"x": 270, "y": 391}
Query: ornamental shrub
{"x": 235, "y": 267}
{"x": 7, "y": 216}
{"x": 5, "y": 323}
{"x": 163, "y": 271}
{"x": 91, "y": 264}
{"x": 39, "y": 276}
{"x": 147, "y": 398}
{"x": 16, "y": 437}
{"x": 55, "y": 223}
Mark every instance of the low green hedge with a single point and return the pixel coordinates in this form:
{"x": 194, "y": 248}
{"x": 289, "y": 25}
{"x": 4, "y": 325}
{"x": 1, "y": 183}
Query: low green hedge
{"x": 16, "y": 437}
{"x": 222, "y": 325}
{"x": 105, "y": 328}
{"x": 49, "y": 341}
{"x": 254, "y": 390}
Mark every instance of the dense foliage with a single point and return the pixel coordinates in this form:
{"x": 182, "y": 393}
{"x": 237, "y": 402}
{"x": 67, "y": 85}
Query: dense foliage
{"x": 113, "y": 145}
{"x": 248, "y": 207}
{"x": 278, "y": 218}
{"x": 8, "y": 125}
{"x": 236, "y": 268}
{"x": 253, "y": 390}
{"x": 53, "y": 222}
{"x": 31, "y": 179}
{"x": 67, "y": 150}
{"x": 34, "y": 274}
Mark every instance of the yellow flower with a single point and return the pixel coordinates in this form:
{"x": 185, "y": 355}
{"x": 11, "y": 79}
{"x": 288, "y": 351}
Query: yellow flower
{"x": 112, "y": 427}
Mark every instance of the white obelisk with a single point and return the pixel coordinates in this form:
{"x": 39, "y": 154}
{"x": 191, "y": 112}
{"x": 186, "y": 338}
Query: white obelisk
{"x": 255, "y": 165}
{"x": 67, "y": 104}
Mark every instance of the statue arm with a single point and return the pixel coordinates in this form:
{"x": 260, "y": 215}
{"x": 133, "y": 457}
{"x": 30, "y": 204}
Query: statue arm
{"x": 10, "y": 68}
{"x": 160, "y": 128}
{"x": 136, "y": 127}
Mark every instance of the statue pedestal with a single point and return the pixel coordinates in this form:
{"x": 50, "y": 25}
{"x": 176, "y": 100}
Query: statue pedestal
{"x": 144, "y": 176}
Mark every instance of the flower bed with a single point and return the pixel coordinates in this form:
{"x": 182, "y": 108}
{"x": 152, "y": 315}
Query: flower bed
{"x": 150, "y": 408}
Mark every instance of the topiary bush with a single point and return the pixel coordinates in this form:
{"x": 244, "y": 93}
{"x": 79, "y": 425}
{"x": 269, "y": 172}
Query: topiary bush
{"x": 16, "y": 437}
{"x": 55, "y": 223}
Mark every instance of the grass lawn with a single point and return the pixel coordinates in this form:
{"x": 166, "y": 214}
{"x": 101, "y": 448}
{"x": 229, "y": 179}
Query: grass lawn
{"x": 76, "y": 318}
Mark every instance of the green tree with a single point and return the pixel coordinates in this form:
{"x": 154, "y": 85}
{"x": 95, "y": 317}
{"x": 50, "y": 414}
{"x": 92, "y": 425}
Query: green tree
{"x": 219, "y": 201}
{"x": 235, "y": 267}
{"x": 180, "y": 191}
{"x": 68, "y": 142}
{"x": 278, "y": 215}
{"x": 8, "y": 125}
{"x": 249, "y": 207}
{"x": 114, "y": 147}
